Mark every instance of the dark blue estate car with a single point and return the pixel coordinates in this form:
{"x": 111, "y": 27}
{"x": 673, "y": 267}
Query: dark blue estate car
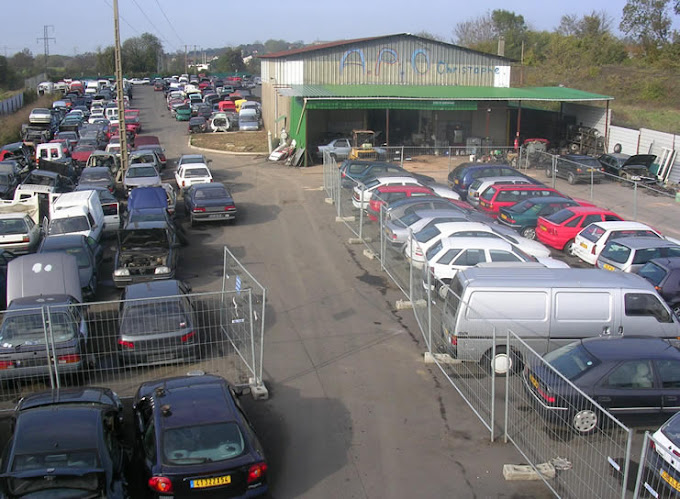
{"x": 193, "y": 439}
{"x": 209, "y": 203}
{"x": 624, "y": 375}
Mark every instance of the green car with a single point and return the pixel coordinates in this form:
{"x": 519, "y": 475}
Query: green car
{"x": 523, "y": 216}
{"x": 183, "y": 113}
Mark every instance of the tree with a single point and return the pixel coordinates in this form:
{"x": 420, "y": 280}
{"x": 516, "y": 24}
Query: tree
{"x": 141, "y": 54}
{"x": 482, "y": 33}
{"x": 648, "y": 22}
{"x": 594, "y": 24}
{"x": 230, "y": 62}
{"x": 474, "y": 32}
{"x": 23, "y": 63}
{"x": 105, "y": 61}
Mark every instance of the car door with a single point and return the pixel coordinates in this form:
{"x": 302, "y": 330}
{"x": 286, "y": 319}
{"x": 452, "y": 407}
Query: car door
{"x": 645, "y": 314}
{"x": 668, "y": 371}
{"x": 630, "y": 388}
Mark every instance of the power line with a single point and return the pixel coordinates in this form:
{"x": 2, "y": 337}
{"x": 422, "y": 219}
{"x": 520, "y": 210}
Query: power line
{"x": 151, "y": 23}
{"x": 171, "y": 25}
{"x": 124, "y": 20}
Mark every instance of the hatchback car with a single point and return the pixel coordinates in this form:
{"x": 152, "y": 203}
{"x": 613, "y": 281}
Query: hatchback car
{"x": 559, "y": 229}
{"x": 353, "y": 171}
{"x": 664, "y": 458}
{"x": 66, "y": 443}
{"x": 635, "y": 168}
{"x": 664, "y": 275}
{"x": 97, "y": 176}
{"x": 185, "y": 452}
{"x": 386, "y": 194}
{"x": 464, "y": 174}
{"x": 209, "y": 203}
{"x": 589, "y": 243}
{"x": 524, "y": 215}
{"x": 140, "y": 175}
{"x": 397, "y": 231}
{"x": 499, "y": 196}
{"x": 193, "y": 173}
{"x": 362, "y": 193}
{"x": 158, "y": 324}
{"x": 629, "y": 254}
{"x": 624, "y": 375}
{"x": 481, "y": 184}
{"x": 18, "y": 233}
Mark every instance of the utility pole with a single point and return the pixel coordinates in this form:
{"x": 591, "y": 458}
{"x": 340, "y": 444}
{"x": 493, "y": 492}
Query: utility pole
{"x": 46, "y": 41}
{"x": 122, "y": 131}
{"x": 186, "y": 63}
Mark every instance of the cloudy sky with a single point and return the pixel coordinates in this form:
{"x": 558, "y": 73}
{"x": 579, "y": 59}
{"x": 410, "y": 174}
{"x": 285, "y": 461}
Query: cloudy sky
{"x": 82, "y": 26}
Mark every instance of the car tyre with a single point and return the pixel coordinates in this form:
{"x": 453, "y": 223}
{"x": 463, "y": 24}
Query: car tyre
{"x": 676, "y": 310}
{"x": 571, "y": 178}
{"x": 503, "y": 363}
{"x": 529, "y": 232}
{"x": 585, "y": 421}
{"x": 569, "y": 248}
{"x": 444, "y": 288}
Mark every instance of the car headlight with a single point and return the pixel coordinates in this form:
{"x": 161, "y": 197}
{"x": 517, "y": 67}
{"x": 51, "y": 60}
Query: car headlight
{"x": 162, "y": 270}
{"x": 121, "y": 272}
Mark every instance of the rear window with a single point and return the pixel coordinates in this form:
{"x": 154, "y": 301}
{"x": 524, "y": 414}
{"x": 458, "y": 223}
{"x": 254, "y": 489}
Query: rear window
{"x": 592, "y": 233}
{"x": 560, "y": 217}
{"x": 653, "y": 273}
{"x": 571, "y": 360}
{"x": 426, "y": 234}
{"x": 433, "y": 251}
{"x": 10, "y": 227}
{"x": 488, "y": 194}
{"x": 202, "y": 444}
{"x": 618, "y": 234}
{"x": 616, "y": 252}
{"x": 475, "y": 185}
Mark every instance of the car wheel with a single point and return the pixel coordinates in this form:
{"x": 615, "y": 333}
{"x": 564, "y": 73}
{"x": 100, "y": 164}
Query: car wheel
{"x": 502, "y": 363}
{"x": 548, "y": 172}
{"x": 444, "y": 288}
{"x": 571, "y": 179}
{"x": 584, "y": 422}
{"x": 569, "y": 248}
{"x": 529, "y": 232}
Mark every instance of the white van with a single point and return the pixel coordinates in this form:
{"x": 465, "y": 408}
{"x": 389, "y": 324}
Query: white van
{"x": 547, "y": 308}
{"x": 77, "y": 212}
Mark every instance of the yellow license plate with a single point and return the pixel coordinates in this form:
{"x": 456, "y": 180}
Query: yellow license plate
{"x": 606, "y": 266}
{"x": 672, "y": 481}
{"x": 584, "y": 245}
{"x": 543, "y": 227}
{"x": 203, "y": 483}
{"x": 504, "y": 216}
{"x": 533, "y": 380}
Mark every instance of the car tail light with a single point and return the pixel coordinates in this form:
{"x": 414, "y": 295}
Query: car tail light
{"x": 160, "y": 484}
{"x": 211, "y": 180}
{"x": 6, "y": 364}
{"x": 183, "y": 183}
{"x": 547, "y": 397}
{"x": 229, "y": 207}
{"x": 256, "y": 473}
{"x": 453, "y": 340}
{"x": 675, "y": 452}
{"x": 126, "y": 344}
{"x": 418, "y": 251}
{"x": 592, "y": 251}
{"x": 25, "y": 239}
{"x": 198, "y": 210}
{"x": 68, "y": 359}
{"x": 185, "y": 338}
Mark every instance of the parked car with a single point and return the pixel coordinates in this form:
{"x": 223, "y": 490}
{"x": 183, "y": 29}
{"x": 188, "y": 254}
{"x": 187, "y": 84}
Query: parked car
{"x": 212, "y": 452}
{"x": 198, "y": 124}
{"x": 481, "y": 184}
{"x": 158, "y": 324}
{"x": 10, "y": 177}
{"x": 97, "y": 176}
{"x": 629, "y": 254}
{"x": 147, "y": 251}
{"x": 635, "y": 168}
{"x": 663, "y": 459}
{"x": 589, "y": 243}
{"x": 336, "y": 148}
{"x": 499, "y": 196}
{"x": 66, "y": 443}
{"x": 88, "y": 254}
{"x": 524, "y": 215}
{"x": 664, "y": 275}
{"x": 146, "y": 156}
{"x": 559, "y": 229}
{"x": 144, "y": 198}
{"x": 577, "y": 168}
{"x": 44, "y": 181}
{"x": 397, "y": 231}
{"x": 362, "y": 193}
{"x": 209, "y": 202}
{"x": 18, "y": 233}
{"x": 354, "y": 171}
{"x": 110, "y": 207}
{"x": 464, "y": 174}
{"x": 624, "y": 375}
{"x": 386, "y": 194}
{"x": 192, "y": 173}
{"x": 140, "y": 175}
{"x": 398, "y": 209}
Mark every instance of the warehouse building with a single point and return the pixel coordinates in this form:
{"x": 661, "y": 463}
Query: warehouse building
{"x": 412, "y": 91}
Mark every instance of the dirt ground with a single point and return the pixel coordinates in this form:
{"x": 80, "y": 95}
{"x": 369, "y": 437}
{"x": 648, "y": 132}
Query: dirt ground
{"x": 255, "y": 142}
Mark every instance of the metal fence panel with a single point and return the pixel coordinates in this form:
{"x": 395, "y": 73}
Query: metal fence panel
{"x": 659, "y": 470}
{"x": 550, "y": 420}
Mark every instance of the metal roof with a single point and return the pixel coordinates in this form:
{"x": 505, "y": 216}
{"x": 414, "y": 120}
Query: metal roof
{"x": 438, "y": 92}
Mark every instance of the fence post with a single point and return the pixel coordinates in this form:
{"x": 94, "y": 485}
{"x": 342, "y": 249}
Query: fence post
{"x": 402, "y": 156}
{"x": 592, "y": 183}
{"x": 338, "y": 190}
{"x": 429, "y": 306}
{"x": 635, "y": 191}
{"x": 554, "y": 170}
{"x": 50, "y": 345}
{"x": 361, "y": 213}
{"x": 410, "y": 274}
{"x": 252, "y": 333}
{"x": 493, "y": 385}
{"x": 626, "y": 463}
{"x": 382, "y": 237}
{"x": 507, "y": 393}
{"x": 641, "y": 467}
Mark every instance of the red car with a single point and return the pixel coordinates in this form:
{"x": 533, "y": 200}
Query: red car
{"x": 388, "y": 193}
{"x": 500, "y": 196}
{"x": 559, "y": 229}
{"x": 81, "y": 154}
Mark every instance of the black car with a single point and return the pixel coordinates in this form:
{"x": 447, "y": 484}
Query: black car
{"x": 577, "y": 168}
{"x": 635, "y": 168}
{"x": 624, "y": 375}
{"x": 198, "y": 124}
{"x": 97, "y": 176}
{"x": 88, "y": 254}
{"x": 188, "y": 452}
{"x": 66, "y": 443}
{"x": 464, "y": 174}
{"x": 209, "y": 203}
{"x": 664, "y": 274}
{"x": 354, "y": 171}
{"x": 147, "y": 251}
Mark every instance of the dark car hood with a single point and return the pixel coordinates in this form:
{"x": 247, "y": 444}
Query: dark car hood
{"x": 139, "y": 239}
{"x": 645, "y": 160}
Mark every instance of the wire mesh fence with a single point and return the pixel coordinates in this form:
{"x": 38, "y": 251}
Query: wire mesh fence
{"x": 659, "y": 470}
{"x": 585, "y": 452}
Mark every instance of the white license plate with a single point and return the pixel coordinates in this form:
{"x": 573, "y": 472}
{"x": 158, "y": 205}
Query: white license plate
{"x": 216, "y": 216}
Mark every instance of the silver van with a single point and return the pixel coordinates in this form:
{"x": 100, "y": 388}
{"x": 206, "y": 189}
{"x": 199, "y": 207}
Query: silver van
{"x": 629, "y": 254}
{"x": 547, "y": 308}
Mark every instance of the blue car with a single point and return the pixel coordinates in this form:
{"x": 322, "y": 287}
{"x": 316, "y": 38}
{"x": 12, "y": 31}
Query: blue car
{"x": 209, "y": 203}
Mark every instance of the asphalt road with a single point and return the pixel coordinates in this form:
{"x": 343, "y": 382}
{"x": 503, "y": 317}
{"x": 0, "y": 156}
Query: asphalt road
{"x": 353, "y": 410}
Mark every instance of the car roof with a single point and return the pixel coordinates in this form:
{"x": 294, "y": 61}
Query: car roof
{"x": 643, "y": 242}
{"x": 443, "y": 226}
{"x": 62, "y": 240}
{"x": 191, "y": 156}
{"x": 153, "y": 289}
{"x": 403, "y": 188}
{"x": 549, "y": 199}
{"x": 75, "y": 395}
{"x": 589, "y": 210}
{"x": 476, "y": 242}
{"x": 670, "y": 263}
{"x": 622, "y": 224}
{"x": 524, "y": 187}
{"x": 630, "y": 347}
{"x": 66, "y": 428}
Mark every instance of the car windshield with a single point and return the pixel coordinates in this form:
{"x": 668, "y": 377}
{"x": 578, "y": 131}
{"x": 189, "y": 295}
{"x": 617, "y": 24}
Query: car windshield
{"x": 29, "y": 328}
{"x": 36, "y": 179}
{"x": 196, "y": 172}
{"x": 142, "y": 318}
{"x": 60, "y": 486}
{"x": 371, "y": 183}
{"x": 560, "y": 216}
{"x": 671, "y": 429}
{"x": 94, "y": 176}
{"x": 616, "y": 252}
{"x": 653, "y": 273}
{"x": 68, "y": 225}
{"x": 81, "y": 257}
{"x": 142, "y": 171}
{"x": 11, "y": 226}
{"x": 211, "y": 193}
{"x": 571, "y": 360}
{"x": 409, "y": 219}
{"x": 202, "y": 444}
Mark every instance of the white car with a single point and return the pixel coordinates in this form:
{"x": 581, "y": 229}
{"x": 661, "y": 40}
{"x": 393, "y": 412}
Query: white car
{"x": 397, "y": 231}
{"x": 416, "y": 248}
{"x": 370, "y": 185}
{"x": 192, "y": 173}
{"x": 667, "y": 446}
{"x": 444, "y": 191}
{"x": 18, "y": 233}
{"x": 589, "y": 243}
{"x": 449, "y": 255}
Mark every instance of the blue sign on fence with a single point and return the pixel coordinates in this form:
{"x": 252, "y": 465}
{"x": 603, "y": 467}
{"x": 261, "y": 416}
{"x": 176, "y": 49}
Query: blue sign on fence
{"x": 238, "y": 285}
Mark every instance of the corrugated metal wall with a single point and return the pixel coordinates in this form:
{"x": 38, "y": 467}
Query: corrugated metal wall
{"x": 626, "y": 137}
{"x": 590, "y": 116}
{"x": 396, "y": 60}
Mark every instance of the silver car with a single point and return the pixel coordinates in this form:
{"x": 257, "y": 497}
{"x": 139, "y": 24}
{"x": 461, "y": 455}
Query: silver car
{"x": 397, "y": 231}
{"x": 629, "y": 254}
{"x": 141, "y": 175}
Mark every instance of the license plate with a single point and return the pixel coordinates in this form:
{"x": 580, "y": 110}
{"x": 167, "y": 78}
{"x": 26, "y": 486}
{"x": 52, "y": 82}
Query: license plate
{"x": 504, "y": 216}
{"x": 606, "y": 266}
{"x": 216, "y": 216}
{"x": 533, "y": 380}
{"x": 672, "y": 481}
{"x": 160, "y": 357}
{"x": 584, "y": 245}
{"x": 202, "y": 483}
{"x": 543, "y": 227}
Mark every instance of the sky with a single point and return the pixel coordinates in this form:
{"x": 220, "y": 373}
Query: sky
{"x": 84, "y": 26}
